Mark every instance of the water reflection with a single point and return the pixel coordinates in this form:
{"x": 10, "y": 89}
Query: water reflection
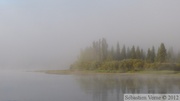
{"x": 112, "y": 87}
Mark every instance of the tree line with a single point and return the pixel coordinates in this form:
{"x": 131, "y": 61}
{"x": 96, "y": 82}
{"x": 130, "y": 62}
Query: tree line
{"x": 100, "y": 57}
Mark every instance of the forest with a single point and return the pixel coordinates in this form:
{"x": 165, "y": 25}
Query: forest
{"x": 100, "y": 57}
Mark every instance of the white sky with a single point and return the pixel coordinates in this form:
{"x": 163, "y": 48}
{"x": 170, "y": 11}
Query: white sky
{"x": 38, "y": 34}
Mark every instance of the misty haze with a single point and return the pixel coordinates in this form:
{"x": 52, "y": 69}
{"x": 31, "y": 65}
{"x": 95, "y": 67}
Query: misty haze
{"x": 76, "y": 50}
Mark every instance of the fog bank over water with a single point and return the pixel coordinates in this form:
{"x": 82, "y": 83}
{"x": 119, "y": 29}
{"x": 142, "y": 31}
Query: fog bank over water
{"x": 43, "y": 34}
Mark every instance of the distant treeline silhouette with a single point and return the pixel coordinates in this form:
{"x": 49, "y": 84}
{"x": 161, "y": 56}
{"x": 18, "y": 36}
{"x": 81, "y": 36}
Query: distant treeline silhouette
{"x": 99, "y": 57}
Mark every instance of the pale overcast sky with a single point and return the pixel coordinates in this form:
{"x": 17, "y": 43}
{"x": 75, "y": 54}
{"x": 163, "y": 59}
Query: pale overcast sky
{"x": 48, "y": 34}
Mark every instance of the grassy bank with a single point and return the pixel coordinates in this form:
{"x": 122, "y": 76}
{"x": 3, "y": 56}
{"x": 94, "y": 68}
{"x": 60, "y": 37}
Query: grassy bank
{"x": 72, "y": 72}
{"x": 66, "y": 72}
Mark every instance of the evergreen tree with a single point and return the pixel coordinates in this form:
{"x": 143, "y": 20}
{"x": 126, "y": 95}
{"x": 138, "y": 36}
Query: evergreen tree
{"x": 128, "y": 53}
{"x": 104, "y": 49}
{"x": 123, "y": 53}
{"x": 161, "y": 56}
{"x": 138, "y": 53}
{"x": 112, "y": 53}
{"x": 153, "y": 54}
{"x": 170, "y": 55}
{"x": 118, "y": 54}
{"x": 96, "y": 50}
{"x": 148, "y": 58}
{"x": 178, "y": 57}
{"x": 100, "y": 49}
{"x": 133, "y": 53}
{"x": 142, "y": 54}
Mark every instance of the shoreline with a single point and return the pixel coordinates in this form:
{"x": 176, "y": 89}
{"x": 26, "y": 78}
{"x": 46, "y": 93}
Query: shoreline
{"x": 77, "y": 72}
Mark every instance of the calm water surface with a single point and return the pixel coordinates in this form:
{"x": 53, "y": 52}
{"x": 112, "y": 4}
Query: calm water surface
{"x": 30, "y": 86}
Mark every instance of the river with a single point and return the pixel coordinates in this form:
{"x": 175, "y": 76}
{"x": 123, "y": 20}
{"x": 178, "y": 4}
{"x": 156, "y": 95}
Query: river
{"x": 35, "y": 86}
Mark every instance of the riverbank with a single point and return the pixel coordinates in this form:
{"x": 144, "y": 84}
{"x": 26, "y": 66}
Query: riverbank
{"x": 73, "y": 72}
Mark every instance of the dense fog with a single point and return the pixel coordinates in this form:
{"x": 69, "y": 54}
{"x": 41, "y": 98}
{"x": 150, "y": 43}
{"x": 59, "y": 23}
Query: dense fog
{"x": 49, "y": 34}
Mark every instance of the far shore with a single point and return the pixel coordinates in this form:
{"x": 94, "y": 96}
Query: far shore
{"x": 77, "y": 72}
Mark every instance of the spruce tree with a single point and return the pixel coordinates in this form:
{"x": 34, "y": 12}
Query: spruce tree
{"x": 142, "y": 54}
{"x": 123, "y": 53}
{"x": 118, "y": 54}
{"x": 153, "y": 54}
{"x": 138, "y": 53}
{"x": 128, "y": 53}
{"x": 178, "y": 57}
{"x": 170, "y": 55}
{"x": 112, "y": 53}
{"x": 161, "y": 56}
{"x": 133, "y": 53}
{"x": 104, "y": 49}
{"x": 148, "y": 58}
